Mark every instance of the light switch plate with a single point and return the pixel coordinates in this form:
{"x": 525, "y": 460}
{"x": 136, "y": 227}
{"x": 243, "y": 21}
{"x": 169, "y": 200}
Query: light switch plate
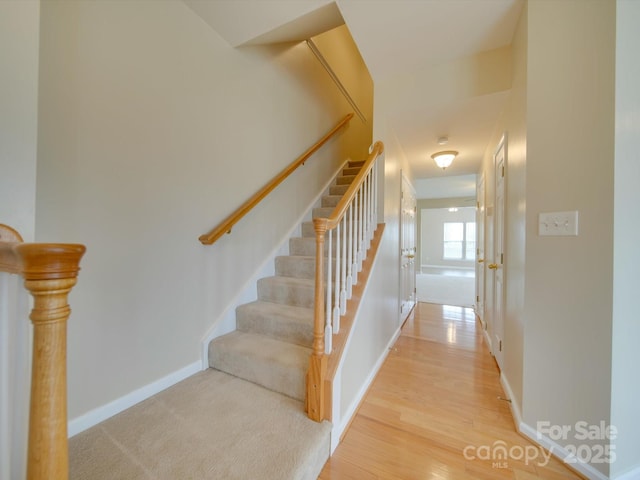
{"x": 558, "y": 224}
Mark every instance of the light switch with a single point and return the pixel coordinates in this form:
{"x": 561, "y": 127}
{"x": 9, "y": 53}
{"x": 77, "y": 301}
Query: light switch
{"x": 558, "y": 224}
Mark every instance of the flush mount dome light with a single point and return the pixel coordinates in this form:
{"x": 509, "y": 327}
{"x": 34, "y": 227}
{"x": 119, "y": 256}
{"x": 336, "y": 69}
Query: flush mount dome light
{"x": 444, "y": 159}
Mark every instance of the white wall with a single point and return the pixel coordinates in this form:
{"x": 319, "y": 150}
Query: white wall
{"x": 152, "y": 129}
{"x": 432, "y": 235}
{"x": 625, "y": 388}
{"x": 19, "y": 26}
{"x": 569, "y": 166}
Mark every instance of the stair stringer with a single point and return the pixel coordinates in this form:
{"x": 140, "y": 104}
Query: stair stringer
{"x": 226, "y": 323}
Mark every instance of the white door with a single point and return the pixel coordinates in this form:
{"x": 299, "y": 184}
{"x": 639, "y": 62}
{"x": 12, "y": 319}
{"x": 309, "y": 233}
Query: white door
{"x": 480, "y": 270}
{"x": 497, "y": 265}
{"x": 408, "y": 207}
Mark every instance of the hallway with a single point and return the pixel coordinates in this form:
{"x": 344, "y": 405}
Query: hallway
{"x": 435, "y": 398}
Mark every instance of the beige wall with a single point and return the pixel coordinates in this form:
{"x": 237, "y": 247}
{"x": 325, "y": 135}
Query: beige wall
{"x": 152, "y": 129}
{"x": 625, "y": 388}
{"x": 559, "y": 130}
{"x": 512, "y": 123}
{"x": 19, "y": 24}
{"x": 345, "y": 60}
{"x": 568, "y": 280}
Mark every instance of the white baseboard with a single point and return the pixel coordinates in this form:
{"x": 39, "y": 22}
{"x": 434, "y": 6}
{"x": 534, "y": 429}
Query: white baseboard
{"x": 97, "y": 415}
{"x": 339, "y": 427}
{"x": 545, "y": 442}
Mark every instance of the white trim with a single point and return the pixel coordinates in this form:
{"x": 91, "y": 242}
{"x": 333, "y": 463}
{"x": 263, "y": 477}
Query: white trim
{"x": 339, "y": 428}
{"x": 556, "y": 450}
{"x": 559, "y": 452}
{"x": 226, "y": 323}
{"x": 515, "y": 408}
{"x": 97, "y": 415}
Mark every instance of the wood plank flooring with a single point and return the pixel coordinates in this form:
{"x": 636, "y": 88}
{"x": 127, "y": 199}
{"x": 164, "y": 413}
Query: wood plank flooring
{"x": 435, "y": 399}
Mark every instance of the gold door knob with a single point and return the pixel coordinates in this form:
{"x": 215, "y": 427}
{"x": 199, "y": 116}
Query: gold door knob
{"x": 480, "y": 260}
{"x": 493, "y": 266}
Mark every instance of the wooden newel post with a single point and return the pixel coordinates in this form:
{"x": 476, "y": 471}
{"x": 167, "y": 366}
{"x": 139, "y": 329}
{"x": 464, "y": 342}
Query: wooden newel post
{"x": 49, "y": 272}
{"x": 318, "y": 360}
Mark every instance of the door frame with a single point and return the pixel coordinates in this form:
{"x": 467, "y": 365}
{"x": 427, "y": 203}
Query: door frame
{"x": 408, "y": 238}
{"x": 499, "y": 258}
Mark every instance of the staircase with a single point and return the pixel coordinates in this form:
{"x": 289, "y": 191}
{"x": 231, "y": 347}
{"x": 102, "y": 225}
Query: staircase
{"x": 272, "y": 344}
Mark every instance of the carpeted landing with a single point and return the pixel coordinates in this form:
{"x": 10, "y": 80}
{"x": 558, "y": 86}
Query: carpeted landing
{"x": 210, "y": 426}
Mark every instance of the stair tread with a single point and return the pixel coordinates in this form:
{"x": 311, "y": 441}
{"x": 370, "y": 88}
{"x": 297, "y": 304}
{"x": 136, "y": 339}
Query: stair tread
{"x": 274, "y": 364}
{"x": 291, "y": 312}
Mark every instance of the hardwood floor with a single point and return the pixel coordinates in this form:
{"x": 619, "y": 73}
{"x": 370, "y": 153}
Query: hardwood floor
{"x": 433, "y": 411}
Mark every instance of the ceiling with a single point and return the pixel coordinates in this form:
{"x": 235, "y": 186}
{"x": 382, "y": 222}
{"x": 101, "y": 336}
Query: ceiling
{"x": 441, "y": 67}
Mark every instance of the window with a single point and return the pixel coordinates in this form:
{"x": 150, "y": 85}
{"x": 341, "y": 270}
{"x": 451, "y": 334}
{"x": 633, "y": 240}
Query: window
{"x": 459, "y": 242}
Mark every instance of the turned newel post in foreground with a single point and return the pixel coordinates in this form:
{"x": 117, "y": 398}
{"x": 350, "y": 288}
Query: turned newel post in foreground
{"x": 318, "y": 360}
{"x": 49, "y": 272}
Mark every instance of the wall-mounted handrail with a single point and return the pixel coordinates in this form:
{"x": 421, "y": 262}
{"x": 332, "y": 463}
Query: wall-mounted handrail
{"x": 49, "y": 271}
{"x": 354, "y": 221}
{"x": 228, "y": 223}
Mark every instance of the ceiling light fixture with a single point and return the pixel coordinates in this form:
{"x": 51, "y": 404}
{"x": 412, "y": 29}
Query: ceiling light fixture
{"x": 445, "y": 158}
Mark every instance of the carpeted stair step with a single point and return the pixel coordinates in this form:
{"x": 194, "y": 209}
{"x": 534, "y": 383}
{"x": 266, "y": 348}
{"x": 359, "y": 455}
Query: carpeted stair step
{"x": 322, "y": 212}
{"x": 299, "y": 266}
{"x": 308, "y": 230}
{"x": 350, "y": 170}
{"x": 282, "y": 322}
{"x": 278, "y": 366}
{"x": 338, "y": 189}
{"x": 331, "y": 200}
{"x": 298, "y": 292}
{"x": 345, "y": 179}
{"x": 306, "y": 246}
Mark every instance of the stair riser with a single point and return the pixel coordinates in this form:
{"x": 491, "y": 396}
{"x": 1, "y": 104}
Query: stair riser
{"x": 299, "y": 266}
{"x": 345, "y": 179}
{"x": 306, "y": 246}
{"x": 338, "y": 189}
{"x": 348, "y": 171}
{"x": 297, "y": 295}
{"x": 286, "y": 379}
{"x": 279, "y": 327}
{"x": 331, "y": 200}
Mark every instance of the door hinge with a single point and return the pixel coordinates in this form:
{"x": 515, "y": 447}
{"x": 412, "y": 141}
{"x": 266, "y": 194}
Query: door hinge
{"x": 502, "y": 259}
{"x": 503, "y": 171}
{"x": 477, "y": 298}
{"x": 500, "y": 346}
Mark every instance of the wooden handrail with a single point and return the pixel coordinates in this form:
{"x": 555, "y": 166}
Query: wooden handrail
{"x": 228, "y": 223}
{"x": 49, "y": 271}
{"x": 347, "y": 198}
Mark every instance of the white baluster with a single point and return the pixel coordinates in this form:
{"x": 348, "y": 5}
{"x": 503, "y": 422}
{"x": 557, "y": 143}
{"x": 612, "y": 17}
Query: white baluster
{"x": 350, "y": 254}
{"x": 328, "y": 336}
{"x": 343, "y": 263}
{"x": 336, "y": 299}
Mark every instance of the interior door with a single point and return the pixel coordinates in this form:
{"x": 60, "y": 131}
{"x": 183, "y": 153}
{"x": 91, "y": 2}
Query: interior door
{"x": 480, "y": 270}
{"x": 497, "y": 265}
{"x": 408, "y": 207}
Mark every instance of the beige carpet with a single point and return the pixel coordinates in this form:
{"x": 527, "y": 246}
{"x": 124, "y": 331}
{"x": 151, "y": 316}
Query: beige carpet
{"x": 210, "y": 426}
{"x": 445, "y": 290}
